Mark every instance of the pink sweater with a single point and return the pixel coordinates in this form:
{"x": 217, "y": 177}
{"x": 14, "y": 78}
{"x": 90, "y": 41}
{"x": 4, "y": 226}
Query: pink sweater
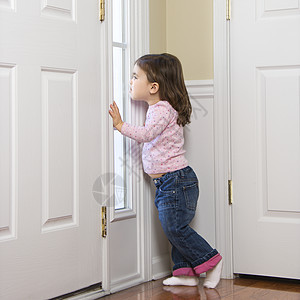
{"x": 162, "y": 137}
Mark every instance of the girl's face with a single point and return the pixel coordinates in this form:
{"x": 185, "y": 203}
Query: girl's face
{"x": 139, "y": 85}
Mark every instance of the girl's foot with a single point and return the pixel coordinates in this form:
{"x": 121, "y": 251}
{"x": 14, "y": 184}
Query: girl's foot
{"x": 182, "y": 280}
{"x": 213, "y": 276}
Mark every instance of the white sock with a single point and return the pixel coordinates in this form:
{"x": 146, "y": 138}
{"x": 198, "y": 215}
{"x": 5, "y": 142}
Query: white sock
{"x": 213, "y": 276}
{"x": 182, "y": 280}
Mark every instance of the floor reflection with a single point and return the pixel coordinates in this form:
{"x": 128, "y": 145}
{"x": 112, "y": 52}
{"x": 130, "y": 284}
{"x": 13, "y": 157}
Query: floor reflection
{"x": 183, "y": 292}
{"x": 212, "y": 294}
{"x": 191, "y": 293}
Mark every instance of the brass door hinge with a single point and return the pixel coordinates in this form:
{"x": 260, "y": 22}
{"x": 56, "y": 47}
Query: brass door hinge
{"x": 101, "y": 10}
{"x": 103, "y": 221}
{"x": 230, "y": 196}
{"x": 228, "y": 9}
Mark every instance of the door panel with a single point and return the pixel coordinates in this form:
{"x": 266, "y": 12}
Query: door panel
{"x": 50, "y": 148}
{"x": 265, "y": 74}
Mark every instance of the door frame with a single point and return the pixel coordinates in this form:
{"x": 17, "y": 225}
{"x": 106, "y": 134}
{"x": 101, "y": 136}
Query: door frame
{"x": 222, "y": 138}
{"x": 138, "y": 45}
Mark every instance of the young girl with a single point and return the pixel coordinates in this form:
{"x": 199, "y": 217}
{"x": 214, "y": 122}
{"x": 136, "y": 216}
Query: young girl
{"x": 158, "y": 80}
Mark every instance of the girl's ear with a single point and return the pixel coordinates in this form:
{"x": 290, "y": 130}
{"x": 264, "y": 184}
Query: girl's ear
{"x": 154, "y": 88}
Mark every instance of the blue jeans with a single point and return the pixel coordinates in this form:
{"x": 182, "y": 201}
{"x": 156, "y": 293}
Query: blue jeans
{"x": 176, "y": 199}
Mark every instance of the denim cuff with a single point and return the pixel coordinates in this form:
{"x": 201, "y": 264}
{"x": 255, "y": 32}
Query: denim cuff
{"x": 205, "y": 258}
{"x": 208, "y": 264}
{"x": 184, "y": 272}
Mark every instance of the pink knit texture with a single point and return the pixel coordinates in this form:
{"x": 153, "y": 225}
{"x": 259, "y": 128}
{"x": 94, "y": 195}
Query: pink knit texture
{"x": 162, "y": 137}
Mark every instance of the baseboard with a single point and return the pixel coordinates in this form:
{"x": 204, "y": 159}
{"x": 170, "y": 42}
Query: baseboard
{"x": 126, "y": 282}
{"x": 89, "y": 296}
{"x": 161, "y": 266}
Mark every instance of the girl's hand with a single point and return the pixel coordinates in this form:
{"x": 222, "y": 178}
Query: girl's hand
{"x": 115, "y": 114}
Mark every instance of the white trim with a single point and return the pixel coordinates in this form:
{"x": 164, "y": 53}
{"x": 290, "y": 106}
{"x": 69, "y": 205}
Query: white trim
{"x": 222, "y": 137}
{"x": 126, "y": 282}
{"x": 122, "y": 214}
{"x": 89, "y": 295}
{"x": 139, "y": 45}
{"x": 200, "y": 88}
{"x": 105, "y": 96}
{"x": 141, "y": 40}
{"x": 161, "y": 266}
{"x": 200, "y": 83}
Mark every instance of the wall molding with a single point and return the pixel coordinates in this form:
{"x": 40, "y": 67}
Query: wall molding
{"x": 200, "y": 88}
{"x": 161, "y": 266}
{"x": 126, "y": 282}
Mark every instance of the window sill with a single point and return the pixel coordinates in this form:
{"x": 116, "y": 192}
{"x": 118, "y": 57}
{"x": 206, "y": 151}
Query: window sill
{"x": 122, "y": 214}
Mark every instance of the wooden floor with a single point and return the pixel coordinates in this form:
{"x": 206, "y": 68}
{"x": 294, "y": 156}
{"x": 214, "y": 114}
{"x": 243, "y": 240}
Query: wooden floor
{"x": 248, "y": 287}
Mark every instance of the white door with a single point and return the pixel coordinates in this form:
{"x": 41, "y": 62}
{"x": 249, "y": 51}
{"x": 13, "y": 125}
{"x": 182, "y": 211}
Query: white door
{"x": 50, "y": 148}
{"x": 265, "y": 68}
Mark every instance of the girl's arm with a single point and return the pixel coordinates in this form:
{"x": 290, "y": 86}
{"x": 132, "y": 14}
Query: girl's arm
{"x": 157, "y": 120}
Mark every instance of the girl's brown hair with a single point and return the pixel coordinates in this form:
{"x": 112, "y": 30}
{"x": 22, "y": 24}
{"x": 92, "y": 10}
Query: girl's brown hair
{"x": 166, "y": 70}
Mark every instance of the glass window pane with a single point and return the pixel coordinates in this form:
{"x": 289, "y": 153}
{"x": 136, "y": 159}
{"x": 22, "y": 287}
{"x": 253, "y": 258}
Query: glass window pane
{"x": 118, "y": 21}
{"x": 119, "y": 156}
{"x": 120, "y": 95}
{"x": 118, "y": 77}
{"x": 120, "y": 179}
